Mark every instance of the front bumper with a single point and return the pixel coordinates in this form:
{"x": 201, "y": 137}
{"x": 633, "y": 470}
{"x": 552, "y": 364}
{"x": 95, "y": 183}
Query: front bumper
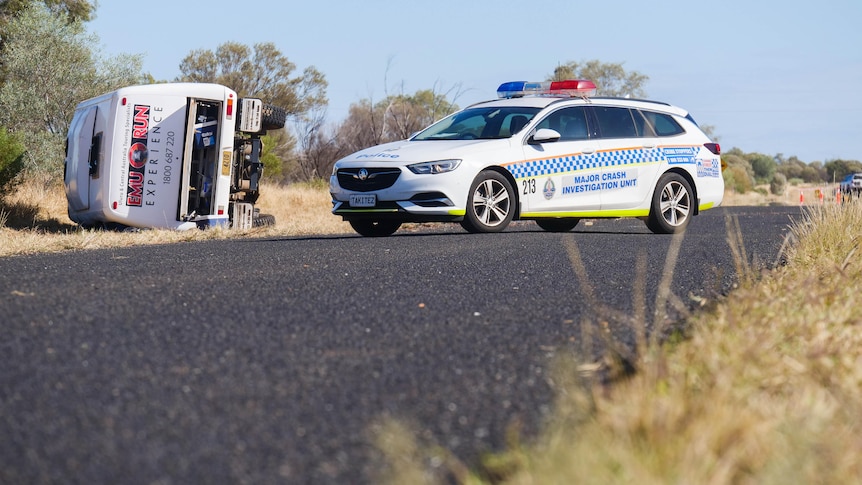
{"x": 411, "y": 198}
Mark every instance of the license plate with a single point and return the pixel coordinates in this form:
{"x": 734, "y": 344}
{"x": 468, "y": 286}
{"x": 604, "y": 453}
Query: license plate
{"x": 365, "y": 200}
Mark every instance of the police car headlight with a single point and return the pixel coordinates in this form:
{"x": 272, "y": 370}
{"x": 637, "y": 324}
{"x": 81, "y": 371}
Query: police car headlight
{"x": 438, "y": 166}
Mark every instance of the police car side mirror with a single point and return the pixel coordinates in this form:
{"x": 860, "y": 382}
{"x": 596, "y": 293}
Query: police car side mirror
{"x": 544, "y": 135}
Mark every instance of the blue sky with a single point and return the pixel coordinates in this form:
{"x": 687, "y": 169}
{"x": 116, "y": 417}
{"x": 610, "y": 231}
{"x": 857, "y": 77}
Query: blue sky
{"x": 769, "y": 76}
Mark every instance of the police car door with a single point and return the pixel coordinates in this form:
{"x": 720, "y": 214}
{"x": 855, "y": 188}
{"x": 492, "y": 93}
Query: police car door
{"x": 566, "y": 168}
{"x": 630, "y": 158}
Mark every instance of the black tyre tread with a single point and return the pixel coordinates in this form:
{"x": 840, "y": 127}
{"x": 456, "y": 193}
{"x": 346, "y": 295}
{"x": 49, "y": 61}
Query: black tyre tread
{"x": 263, "y": 220}
{"x": 273, "y": 117}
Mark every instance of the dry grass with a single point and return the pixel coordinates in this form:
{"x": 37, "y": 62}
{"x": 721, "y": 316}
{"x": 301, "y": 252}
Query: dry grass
{"x": 34, "y": 219}
{"x": 767, "y": 388}
{"x": 301, "y": 209}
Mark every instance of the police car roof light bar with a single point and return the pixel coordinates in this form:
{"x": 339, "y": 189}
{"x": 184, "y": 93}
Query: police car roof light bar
{"x": 570, "y": 87}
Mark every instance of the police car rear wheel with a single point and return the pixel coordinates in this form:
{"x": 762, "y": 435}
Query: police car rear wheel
{"x": 370, "y": 228}
{"x": 557, "y": 225}
{"x": 490, "y": 205}
{"x": 671, "y": 205}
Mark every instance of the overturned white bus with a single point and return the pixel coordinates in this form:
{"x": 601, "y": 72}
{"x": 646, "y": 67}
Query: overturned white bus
{"x": 176, "y": 156}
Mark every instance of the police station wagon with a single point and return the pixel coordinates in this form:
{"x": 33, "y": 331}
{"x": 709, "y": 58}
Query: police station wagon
{"x": 548, "y": 152}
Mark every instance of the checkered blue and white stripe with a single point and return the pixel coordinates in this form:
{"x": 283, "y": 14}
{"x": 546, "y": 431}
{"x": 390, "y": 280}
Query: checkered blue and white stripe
{"x": 574, "y": 163}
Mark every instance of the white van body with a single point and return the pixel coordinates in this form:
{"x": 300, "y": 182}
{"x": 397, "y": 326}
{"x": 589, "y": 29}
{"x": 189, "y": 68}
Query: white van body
{"x": 161, "y": 156}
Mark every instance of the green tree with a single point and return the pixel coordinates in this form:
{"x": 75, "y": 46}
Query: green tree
{"x": 278, "y": 154}
{"x": 11, "y": 159}
{"x": 611, "y": 79}
{"x": 261, "y": 72}
{"x": 763, "y": 166}
{"x": 74, "y": 10}
{"x": 50, "y": 66}
{"x": 838, "y": 169}
{"x": 791, "y": 167}
{"x": 815, "y": 172}
{"x": 795, "y": 170}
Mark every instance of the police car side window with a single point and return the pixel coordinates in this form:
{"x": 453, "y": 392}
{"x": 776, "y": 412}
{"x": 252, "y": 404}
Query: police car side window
{"x": 575, "y": 127}
{"x": 570, "y": 123}
{"x": 644, "y": 127}
{"x": 615, "y": 122}
{"x": 663, "y": 124}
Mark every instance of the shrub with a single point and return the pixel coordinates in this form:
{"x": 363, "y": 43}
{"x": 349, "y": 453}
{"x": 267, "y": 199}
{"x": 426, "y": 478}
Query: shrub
{"x": 778, "y": 184}
{"x": 11, "y": 159}
{"x": 736, "y": 178}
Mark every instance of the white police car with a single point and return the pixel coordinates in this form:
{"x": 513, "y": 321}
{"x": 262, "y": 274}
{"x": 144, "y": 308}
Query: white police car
{"x": 542, "y": 151}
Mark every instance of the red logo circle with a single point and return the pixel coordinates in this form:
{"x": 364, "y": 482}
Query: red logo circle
{"x": 138, "y": 155}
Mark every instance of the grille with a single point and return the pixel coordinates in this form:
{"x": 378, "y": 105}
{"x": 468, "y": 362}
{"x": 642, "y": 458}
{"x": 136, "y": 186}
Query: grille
{"x": 374, "y": 178}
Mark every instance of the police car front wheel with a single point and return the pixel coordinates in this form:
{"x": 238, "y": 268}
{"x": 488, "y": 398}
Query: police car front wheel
{"x": 490, "y": 204}
{"x": 671, "y": 208}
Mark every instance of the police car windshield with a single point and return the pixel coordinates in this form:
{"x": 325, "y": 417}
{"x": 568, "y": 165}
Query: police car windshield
{"x": 480, "y": 123}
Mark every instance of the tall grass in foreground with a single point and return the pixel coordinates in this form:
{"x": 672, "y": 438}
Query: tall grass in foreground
{"x": 766, "y": 388}
{"x": 34, "y": 219}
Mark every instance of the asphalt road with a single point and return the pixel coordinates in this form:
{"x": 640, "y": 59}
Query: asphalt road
{"x": 269, "y": 360}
